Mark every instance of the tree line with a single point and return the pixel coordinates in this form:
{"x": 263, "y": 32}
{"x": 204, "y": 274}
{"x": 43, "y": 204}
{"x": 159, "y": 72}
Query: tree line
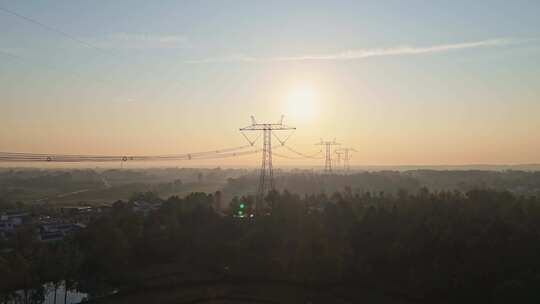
{"x": 433, "y": 246}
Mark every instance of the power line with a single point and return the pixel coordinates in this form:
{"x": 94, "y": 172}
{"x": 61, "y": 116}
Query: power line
{"x": 286, "y": 156}
{"x": 303, "y": 155}
{"x": 48, "y": 66}
{"x": 236, "y": 154}
{"x": 54, "y": 30}
{"x": 60, "y": 32}
{"x": 42, "y": 157}
{"x": 283, "y": 141}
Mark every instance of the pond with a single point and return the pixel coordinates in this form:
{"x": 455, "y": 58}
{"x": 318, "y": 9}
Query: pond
{"x": 72, "y": 297}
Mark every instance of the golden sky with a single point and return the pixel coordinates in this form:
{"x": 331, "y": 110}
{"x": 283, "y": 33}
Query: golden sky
{"x": 399, "y": 86}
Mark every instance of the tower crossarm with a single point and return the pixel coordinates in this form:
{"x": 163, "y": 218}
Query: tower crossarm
{"x": 262, "y": 127}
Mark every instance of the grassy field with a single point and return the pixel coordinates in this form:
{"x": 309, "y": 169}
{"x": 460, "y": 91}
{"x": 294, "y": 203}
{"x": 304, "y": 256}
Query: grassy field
{"x": 251, "y": 292}
{"x": 124, "y": 192}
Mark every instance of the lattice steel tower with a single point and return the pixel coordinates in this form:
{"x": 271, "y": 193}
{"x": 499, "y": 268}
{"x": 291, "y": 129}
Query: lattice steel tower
{"x": 338, "y": 153}
{"x": 328, "y": 154}
{"x": 266, "y": 175}
{"x": 347, "y": 157}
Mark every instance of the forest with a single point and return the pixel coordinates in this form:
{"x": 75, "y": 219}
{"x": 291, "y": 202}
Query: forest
{"x": 423, "y": 246}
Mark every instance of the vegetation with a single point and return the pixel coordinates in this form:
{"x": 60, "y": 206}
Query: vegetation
{"x": 441, "y": 246}
{"x": 65, "y": 187}
{"x": 307, "y": 182}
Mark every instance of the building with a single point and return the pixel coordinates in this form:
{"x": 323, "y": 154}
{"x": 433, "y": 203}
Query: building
{"x": 78, "y": 214}
{"x": 57, "y": 231}
{"x": 10, "y": 220}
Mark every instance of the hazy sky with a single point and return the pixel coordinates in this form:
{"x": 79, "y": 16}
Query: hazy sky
{"x": 403, "y": 82}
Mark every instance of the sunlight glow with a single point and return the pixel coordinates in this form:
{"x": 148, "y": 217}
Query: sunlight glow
{"x": 303, "y": 103}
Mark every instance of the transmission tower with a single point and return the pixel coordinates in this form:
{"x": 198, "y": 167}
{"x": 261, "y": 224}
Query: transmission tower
{"x": 328, "y": 154}
{"x": 338, "y": 153}
{"x": 347, "y": 157}
{"x": 266, "y": 175}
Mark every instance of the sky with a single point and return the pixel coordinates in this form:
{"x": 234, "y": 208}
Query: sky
{"x": 402, "y": 82}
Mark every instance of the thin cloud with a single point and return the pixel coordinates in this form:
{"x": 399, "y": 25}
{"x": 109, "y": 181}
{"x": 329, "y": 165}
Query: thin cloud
{"x": 125, "y": 100}
{"x": 229, "y": 58}
{"x": 357, "y": 54}
{"x": 143, "y": 41}
{"x": 10, "y": 51}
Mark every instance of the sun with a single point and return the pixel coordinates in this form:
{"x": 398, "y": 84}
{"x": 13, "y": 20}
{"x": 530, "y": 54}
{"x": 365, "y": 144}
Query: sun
{"x": 303, "y": 103}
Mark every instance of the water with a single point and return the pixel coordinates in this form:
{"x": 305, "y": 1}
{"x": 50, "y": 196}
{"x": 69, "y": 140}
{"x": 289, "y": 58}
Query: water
{"x": 73, "y": 297}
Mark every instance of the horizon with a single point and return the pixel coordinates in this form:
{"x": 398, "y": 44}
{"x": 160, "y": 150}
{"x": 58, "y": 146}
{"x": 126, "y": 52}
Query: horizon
{"x": 315, "y": 169}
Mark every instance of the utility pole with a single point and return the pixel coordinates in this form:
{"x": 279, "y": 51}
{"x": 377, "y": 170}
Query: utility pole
{"x": 266, "y": 175}
{"x": 347, "y": 157}
{"x": 328, "y": 154}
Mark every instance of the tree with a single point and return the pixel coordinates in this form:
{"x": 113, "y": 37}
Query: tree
{"x": 8, "y": 282}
